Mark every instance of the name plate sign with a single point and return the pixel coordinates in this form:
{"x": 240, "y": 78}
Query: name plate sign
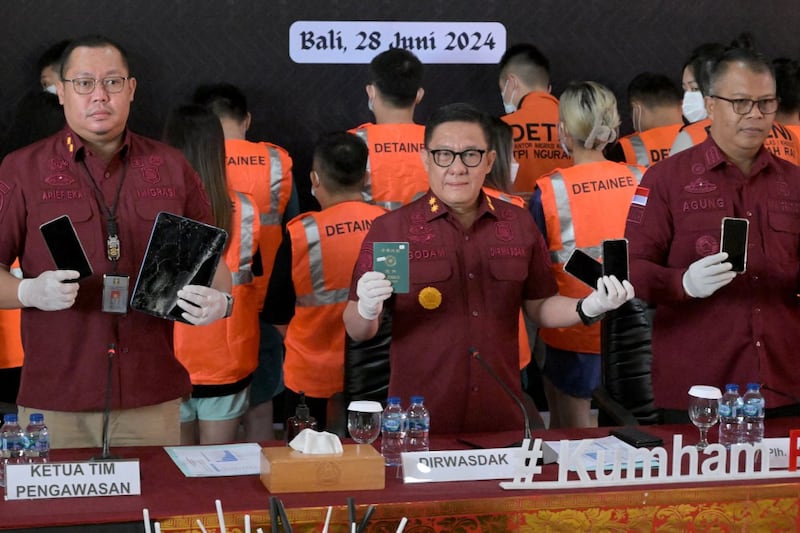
{"x": 459, "y": 465}
{"x": 73, "y": 480}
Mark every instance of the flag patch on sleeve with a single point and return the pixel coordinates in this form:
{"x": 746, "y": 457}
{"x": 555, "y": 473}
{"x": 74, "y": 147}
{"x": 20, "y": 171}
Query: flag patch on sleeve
{"x": 640, "y": 196}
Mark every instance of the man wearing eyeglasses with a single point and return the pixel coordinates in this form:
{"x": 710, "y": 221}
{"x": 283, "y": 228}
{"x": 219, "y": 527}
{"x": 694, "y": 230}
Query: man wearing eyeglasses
{"x": 79, "y": 336}
{"x": 474, "y": 262}
{"x": 712, "y": 325}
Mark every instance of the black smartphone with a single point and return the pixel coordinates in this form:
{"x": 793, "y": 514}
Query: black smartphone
{"x": 734, "y": 241}
{"x": 615, "y": 258}
{"x": 65, "y": 247}
{"x": 584, "y": 267}
{"x": 636, "y": 437}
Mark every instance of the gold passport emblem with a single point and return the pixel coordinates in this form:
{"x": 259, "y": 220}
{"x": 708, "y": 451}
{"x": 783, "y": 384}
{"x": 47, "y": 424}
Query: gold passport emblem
{"x": 430, "y": 298}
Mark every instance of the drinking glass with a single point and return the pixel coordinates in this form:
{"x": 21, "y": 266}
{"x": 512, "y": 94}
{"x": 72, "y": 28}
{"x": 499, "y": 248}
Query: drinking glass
{"x": 704, "y": 410}
{"x": 364, "y": 421}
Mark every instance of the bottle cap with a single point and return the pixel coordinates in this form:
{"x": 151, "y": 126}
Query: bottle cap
{"x": 10, "y": 418}
{"x": 732, "y": 387}
{"x": 753, "y": 386}
{"x": 394, "y": 400}
{"x": 418, "y": 399}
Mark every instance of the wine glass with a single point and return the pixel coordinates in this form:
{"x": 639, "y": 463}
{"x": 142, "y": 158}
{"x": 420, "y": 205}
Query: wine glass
{"x": 704, "y": 410}
{"x": 364, "y": 421}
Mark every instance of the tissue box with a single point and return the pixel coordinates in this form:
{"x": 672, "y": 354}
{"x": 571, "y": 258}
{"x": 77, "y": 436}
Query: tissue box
{"x": 359, "y": 467}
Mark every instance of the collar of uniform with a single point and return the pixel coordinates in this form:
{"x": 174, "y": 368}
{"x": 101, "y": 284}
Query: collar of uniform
{"x": 434, "y": 207}
{"x": 533, "y": 95}
{"x": 76, "y": 148}
{"x": 714, "y": 157}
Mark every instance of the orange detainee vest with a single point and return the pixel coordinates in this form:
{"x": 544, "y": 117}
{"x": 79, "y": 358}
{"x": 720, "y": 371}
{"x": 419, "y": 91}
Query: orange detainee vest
{"x": 697, "y": 131}
{"x": 325, "y": 247}
{"x": 583, "y": 205}
{"x": 395, "y": 175}
{"x": 651, "y": 146}
{"x": 782, "y": 143}
{"x": 524, "y": 345}
{"x": 226, "y": 351}
{"x": 536, "y": 145}
{"x": 11, "y": 353}
{"x": 264, "y": 171}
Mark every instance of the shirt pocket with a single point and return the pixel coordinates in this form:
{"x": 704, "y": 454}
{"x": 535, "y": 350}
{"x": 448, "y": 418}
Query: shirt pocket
{"x": 429, "y": 272}
{"x": 783, "y": 245}
{"x": 83, "y": 220}
{"x": 512, "y": 270}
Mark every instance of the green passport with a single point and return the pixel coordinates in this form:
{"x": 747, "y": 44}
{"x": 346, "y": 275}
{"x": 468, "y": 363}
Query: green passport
{"x": 391, "y": 258}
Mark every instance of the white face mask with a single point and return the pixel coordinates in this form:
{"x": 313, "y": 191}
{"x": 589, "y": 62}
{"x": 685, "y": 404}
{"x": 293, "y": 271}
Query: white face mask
{"x": 514, "y": 170}
{"x": 51, "y": 89}
{"x": 693, "y": 107}
{"x": 510, "y": 107}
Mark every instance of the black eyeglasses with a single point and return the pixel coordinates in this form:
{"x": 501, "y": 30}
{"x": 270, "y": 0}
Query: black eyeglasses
{"x": 742, "y": 106}
{"x": 112, "y": 84}
{"x": 445, "y": 158}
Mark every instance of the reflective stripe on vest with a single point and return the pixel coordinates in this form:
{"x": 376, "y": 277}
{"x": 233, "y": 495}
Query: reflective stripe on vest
{"x": 639, "y": 150}
{"x": 273, "y": 218}
{"x": 366, "y": 193}
{"x": 565, "y": 218}
{"x": 244, "y": 273}
{"x": 319, "y": 295}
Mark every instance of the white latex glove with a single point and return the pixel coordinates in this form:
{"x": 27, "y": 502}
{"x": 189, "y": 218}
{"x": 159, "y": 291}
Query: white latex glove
{"x": 202, "y": 305}
{"x": 372, "y": 289}
{"x": 705, "y": 276}
{"x": 610, "y": 294}
{"x": 48, "y": 291}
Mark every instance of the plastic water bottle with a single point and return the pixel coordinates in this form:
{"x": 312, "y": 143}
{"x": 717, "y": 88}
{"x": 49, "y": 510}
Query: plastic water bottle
{"x": 37, "y": 449}
{"x": 731, "y": 416}
{"x": 393, "y": 432}
{"x": 753, "y": 414}
{"x": 11, "y": 441}
{"x": 419, "y": 426}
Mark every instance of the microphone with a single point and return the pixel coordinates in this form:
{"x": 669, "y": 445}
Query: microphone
{"x": 476, "y": 355}
{"x": 106, "y": 454}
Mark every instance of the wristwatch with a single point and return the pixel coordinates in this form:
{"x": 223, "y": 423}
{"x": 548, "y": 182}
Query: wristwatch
{"x": 229, "y": 309}
{"x": 587, "y": 320}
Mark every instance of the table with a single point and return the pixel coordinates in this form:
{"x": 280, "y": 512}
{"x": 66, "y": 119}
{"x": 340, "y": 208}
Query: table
{"x": 177, "y": 502}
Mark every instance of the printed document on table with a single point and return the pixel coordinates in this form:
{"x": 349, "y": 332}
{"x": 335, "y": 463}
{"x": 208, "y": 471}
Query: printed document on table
{"x": 609, "y": 445}
{"x": 218, "y": 460}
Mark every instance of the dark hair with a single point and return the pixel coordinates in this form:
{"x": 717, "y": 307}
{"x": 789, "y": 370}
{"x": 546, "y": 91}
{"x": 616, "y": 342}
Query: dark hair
{"x": 340, "y": 160}
{"x": 654, "y": 90}
{"x": 397, "y": 74}
{"x": 458, "y": 112}
{"x": 700, "y": 62}
{"x": 223, "y": 99}
{"x": 52, "y": 56}
{"x": 91, "y": 41}
{"x": 502, "y": 143}
{"x": 528, "y": 63}
{"x": 36, "y": 116}
{"x": 753, "y": 60}
{"x": 787, "y": 81}
{"x": 197, "y": 132}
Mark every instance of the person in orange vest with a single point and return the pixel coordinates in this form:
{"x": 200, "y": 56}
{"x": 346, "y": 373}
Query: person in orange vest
{"x": 221, "y": 356}
{"x": 263, "y": 170}
{"x": 579, "y": 207}
{"x": 309, "y": 285}
{"x": 656, "y": 114}
{"x": 395, "y": 175}
{"x": 532, "y": 112}
{"x": 11, "y": 354}
{"x": 787, "y": 81}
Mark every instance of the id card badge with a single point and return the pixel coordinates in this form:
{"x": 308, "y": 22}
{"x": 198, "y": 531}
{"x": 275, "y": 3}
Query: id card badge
{"x": 115, "y": 293}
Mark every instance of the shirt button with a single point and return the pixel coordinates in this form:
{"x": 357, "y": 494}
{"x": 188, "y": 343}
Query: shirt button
{"x": 755, "y": 278}
{"x": 757, "y": 310}
{"x": 107, "y": 174}
{"x": 125, "y": 350}
{"x": 471, "y": 275}
{"x": 758, "y": 344}
{"x": 475, "y": 389}
{"x": 474, "y": 313}
{"x": 749, "y": 213}
{"x": 466, "y": 237}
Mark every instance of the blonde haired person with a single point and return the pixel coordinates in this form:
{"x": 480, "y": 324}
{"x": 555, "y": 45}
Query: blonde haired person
{"x": 579, "y": 207}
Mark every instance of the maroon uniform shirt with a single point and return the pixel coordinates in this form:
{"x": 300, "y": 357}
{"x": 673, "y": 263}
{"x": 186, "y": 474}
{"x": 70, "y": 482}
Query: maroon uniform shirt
{"x": 747, "y": 331}
{"x": 467, "y": 286}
